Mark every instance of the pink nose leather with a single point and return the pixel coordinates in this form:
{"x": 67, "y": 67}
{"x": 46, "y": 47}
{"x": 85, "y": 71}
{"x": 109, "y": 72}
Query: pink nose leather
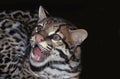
{"x": 38, "y": 38}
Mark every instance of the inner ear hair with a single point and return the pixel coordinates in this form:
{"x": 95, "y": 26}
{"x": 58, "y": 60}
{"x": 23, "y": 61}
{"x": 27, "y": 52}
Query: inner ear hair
{"x": 78, "y": 52}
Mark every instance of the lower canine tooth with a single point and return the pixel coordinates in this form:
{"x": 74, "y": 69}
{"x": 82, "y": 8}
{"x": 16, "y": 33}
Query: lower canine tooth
{"x": 37, "y": 58}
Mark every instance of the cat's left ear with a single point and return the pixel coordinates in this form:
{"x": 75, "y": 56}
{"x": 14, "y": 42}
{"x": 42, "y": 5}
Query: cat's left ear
{"x": 78, "y": 36}
{"x": 42, "y": 13}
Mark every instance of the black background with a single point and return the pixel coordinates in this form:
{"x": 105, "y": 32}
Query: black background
{"x": 101, "y": 20}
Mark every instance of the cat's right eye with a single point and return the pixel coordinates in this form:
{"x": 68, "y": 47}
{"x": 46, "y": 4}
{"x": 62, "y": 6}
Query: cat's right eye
{"x": 39, "y": 28}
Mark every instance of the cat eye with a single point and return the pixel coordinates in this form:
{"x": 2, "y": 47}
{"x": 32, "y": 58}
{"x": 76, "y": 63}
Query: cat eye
{"x": 39, "y": 28}
{"x": 56, "y": 37}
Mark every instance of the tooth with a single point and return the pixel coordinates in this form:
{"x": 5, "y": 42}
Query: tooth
{"x": 38, "y": 58}
{"x": 33, "y": 46}
{"x": 33, "y": 55}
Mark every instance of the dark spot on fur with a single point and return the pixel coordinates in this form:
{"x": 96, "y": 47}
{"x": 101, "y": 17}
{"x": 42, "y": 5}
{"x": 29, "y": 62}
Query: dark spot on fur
{"x": 1, "y": 58}
{"x": 18, "y": 50}
{"x": 1, "y": 37}
{"x": 12, "y": 32}
{"x": 3, "y": 27}
{"x": 6, "y": 43}
{"x": 2, "y": 45}
{"x": 16, "y": 76}
{"x": 1, "y": 55}
{"x": 2, "y": 66}
{"x": 8, "y": 47}
{"x": 17, "y": 39}
{"x": 7, "y": 60}
{"x": 21, "y": 45}
{"x": 8, "y": 55}
{"x": 13, "y": 53}
{"x": 1, "y": 49}
{"x": 8, "y": 77}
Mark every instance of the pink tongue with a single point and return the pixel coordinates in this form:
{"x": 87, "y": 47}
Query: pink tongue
{"x": 37, "y": 51}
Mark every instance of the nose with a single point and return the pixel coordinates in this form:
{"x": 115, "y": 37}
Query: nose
{"x": 38, "y": 38}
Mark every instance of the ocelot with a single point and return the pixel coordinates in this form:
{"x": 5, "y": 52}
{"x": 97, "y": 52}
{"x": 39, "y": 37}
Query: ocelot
{"x": 55, "y": 48}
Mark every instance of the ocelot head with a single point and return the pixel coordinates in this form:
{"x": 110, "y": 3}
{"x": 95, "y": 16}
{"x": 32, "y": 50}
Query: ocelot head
{"x": 55, "y": 41}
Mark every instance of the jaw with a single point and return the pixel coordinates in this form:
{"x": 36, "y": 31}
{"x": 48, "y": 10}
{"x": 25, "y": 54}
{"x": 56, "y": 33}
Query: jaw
{"x": 39, "y": 58}
{"x": 50, "y": 58}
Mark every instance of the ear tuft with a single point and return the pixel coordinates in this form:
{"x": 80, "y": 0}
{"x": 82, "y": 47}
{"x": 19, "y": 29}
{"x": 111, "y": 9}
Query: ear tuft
{"x": 42, "y": 13}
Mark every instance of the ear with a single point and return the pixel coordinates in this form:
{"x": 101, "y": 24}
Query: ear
{"x": 78, "y": 36}
{"x": 42, "y": 13}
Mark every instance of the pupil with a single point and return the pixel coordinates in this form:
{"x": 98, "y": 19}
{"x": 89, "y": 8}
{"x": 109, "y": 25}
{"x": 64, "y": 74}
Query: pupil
{"x": 56, "y": 37}
{"x": 39, "y": 28}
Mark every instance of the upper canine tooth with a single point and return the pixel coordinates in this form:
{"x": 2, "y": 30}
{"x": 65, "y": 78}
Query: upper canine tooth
{"x": 33, "y": 55}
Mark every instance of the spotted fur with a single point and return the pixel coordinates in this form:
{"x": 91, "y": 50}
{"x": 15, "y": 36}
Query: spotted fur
{"x": 15, "y": 32}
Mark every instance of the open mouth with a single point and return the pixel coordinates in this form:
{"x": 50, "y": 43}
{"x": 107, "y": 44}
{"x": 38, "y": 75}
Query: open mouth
{"x": 38, "y": 55}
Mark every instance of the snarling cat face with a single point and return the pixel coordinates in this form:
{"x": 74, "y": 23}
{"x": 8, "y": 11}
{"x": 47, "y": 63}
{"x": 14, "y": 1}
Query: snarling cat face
{"x": 54, "y": 40}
